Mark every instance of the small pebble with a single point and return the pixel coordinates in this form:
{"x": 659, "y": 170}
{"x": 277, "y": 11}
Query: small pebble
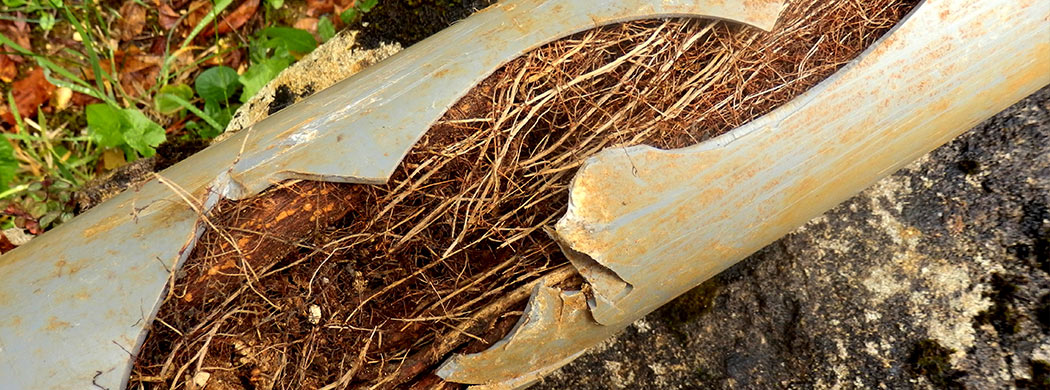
{"x": 315, "y": 315}
{"x": 201, "y": 379}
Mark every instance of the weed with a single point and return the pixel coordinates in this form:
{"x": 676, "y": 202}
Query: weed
{"x": 189, "y": 94}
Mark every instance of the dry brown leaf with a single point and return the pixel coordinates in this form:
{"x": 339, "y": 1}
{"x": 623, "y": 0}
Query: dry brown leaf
{"x": 166, "y": 17}
{"x": 132, "y": 20}
{"x": 308, "y": 24}
{"x": 137, "y": 70}
{"x": 235, "y": 19}
{"x": 319, "y": 7}
{"x": 197, "y": 10}
{"x": 29, "y": 93}
{"x": 8, "y": 69}
{"x": 17, "y": 30}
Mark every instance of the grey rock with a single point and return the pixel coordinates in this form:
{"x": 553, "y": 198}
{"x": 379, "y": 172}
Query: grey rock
{"x": 936, "y": 277}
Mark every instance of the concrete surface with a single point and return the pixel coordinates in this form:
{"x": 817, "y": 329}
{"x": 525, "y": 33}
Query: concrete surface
{"x": 936, "y": 277}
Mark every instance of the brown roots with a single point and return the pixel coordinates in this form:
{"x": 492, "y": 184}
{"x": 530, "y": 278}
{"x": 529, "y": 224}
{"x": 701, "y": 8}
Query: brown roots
{"x": 317, "y": 285}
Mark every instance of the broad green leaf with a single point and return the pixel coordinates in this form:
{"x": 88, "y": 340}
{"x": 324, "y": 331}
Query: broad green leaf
{"x": 141, "y": 133}
{"x": 220, "y": 114}
{"x": 8, "y": 164}
{"x": 325, "y": 28}
{"x": 366, "y": 5}
{"x": 217, "y": 84}
{"x": 256, "y": 77}
{"x": 14, "y": 3}
{"x": 293, "y": 39}
{"x": 105, "y": 124}
{"x": 164, "y": 103}
{"x": 275, "y": 4}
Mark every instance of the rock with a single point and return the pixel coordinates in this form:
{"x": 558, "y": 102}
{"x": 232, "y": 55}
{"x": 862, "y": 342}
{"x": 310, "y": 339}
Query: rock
{"x": 936, "y": 277}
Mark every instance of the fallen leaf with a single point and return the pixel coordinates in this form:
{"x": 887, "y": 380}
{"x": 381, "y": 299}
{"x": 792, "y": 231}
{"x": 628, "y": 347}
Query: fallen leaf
{"x": 136, "y": 70}
{"x": 6, "y": 245}
{"x": 132, "y": 20}
{"x": 308, "y": 24}
{"x": 196, "y": 12}
{"x": 27, "y": 220}
{"x": 17, "y": 31}
{"x": 235, "y": 19}
{"x": 29, "y": 93}
{"x": 113, "y": 159}
{"x": 166, "y": 17}
{"x": 81, "y": 100}
{"x": 319, "y": 7}
{"x": 8, "y": 69}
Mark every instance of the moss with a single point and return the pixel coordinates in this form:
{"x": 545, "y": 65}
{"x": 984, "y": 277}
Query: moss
{"x": 691, "y": 305}
{"x": 933, "y": 361}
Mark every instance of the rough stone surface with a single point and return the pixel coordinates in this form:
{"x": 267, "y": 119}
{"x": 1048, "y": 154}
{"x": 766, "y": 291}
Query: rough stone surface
{"x": 936, "y": 277}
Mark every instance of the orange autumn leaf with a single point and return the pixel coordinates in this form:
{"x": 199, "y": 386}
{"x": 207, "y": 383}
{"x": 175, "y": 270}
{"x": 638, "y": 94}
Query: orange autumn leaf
{"x": 235, "y": 19}
{"x": 308, "y": 24}
{"x": 8, "y": 69}
{"x": 166, "y": 17}
{"x": 29, "y": 93}
{"x": 319, "y": 7}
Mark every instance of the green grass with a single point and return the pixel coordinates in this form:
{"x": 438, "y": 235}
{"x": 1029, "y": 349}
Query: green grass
{"x": 47, "y": 158}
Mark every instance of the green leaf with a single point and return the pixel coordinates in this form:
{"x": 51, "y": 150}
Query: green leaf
{"x": 366, "y": 5}
{"x": 348, "y": 16}
{"x": 293, "y": 39}
{"x": 105, "y": 124}
{"x": 141, "y": 133}
{"x": 47, "y": 21}
{"x": 221, "y": 115}
{"x": 14, "y": 3}
{"x": 275, "y": 4}
{"x": 325, "y": 28}
{"x": 217, "y": 84}
{"x": 164, "y": 103}
{"x": 256, "y": 77}
{"x": 8, "y": 164}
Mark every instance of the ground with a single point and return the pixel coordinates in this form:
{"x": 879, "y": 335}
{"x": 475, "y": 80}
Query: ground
{"x": 936, "y": 277}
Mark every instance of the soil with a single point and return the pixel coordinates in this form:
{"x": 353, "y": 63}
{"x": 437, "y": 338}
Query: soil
{"x": 312, "y": 284}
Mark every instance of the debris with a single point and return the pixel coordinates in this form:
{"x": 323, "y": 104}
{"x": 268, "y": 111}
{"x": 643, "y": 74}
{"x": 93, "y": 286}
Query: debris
{"x": 201, "y": 379}
{"x": 132, "y": 20}
{"x": 29, "y": 93}
{"x": 314, "y": 315}
{"x": 17, "y": 236}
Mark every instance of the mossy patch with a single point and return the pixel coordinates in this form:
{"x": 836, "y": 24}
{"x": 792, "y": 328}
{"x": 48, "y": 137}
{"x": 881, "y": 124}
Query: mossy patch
{"x": 690, "y": 306}
{"x": 933, "y": 361}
